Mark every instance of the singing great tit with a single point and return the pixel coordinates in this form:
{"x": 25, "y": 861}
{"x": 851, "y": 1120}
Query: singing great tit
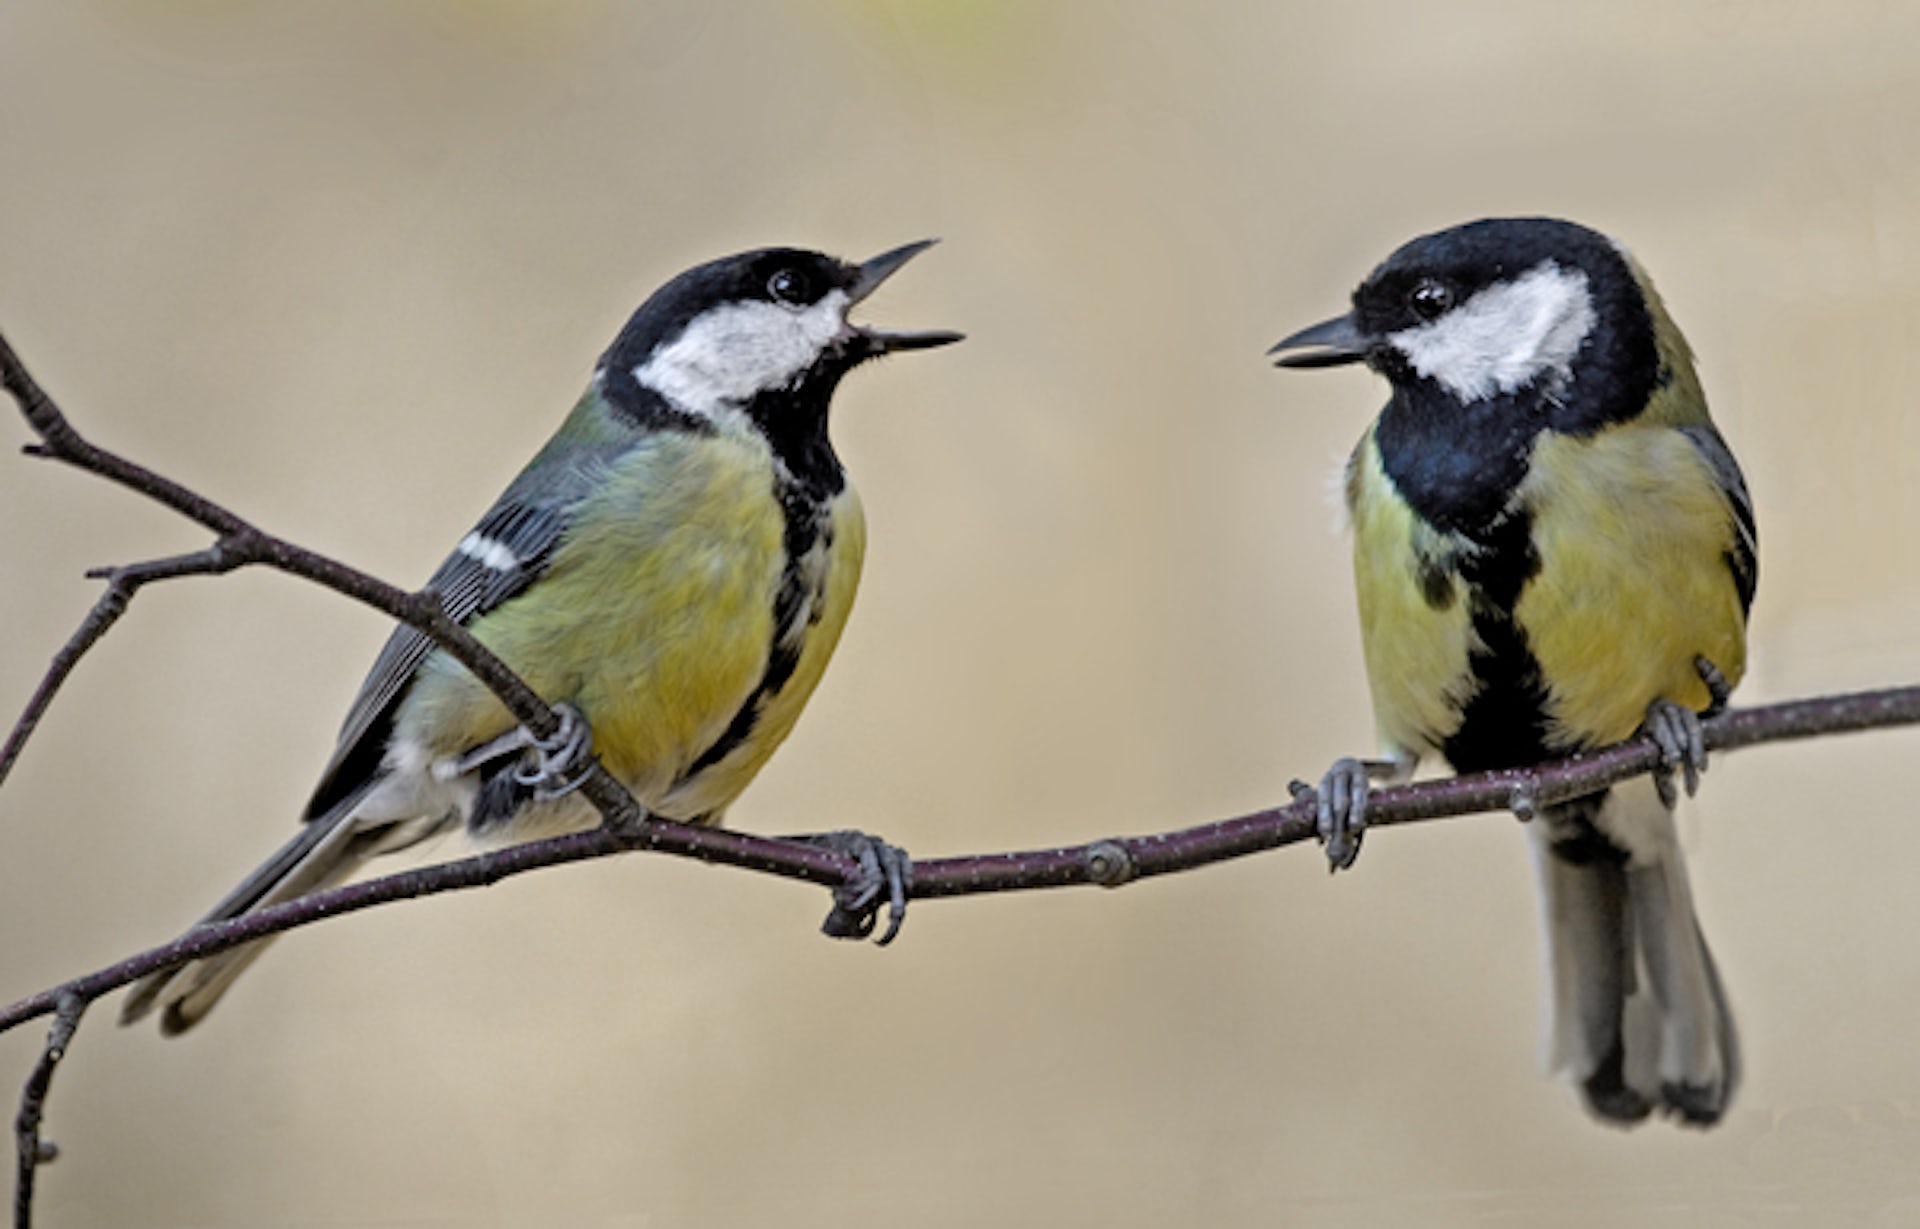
{"x": 671, "y": 571}
{"x": 1553, "y": 549}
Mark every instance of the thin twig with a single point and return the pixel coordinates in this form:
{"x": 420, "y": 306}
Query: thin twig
{"x": 1113, "y": 861}
{"x": 787, "y": 859}
{"x": 33, "y": 1152}
{"x": 241, "y": 543}
{"x": 1108, "y": 862}
{"x": 122, "y": 583}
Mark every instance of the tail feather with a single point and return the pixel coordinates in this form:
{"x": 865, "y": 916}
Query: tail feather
{"x": 325, "y": 852}
{"x": 1636, "y": 1014}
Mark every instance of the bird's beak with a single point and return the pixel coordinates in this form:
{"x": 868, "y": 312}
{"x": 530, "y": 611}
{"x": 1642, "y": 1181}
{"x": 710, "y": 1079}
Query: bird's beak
{"x": 878, "y": 270}
{"x": 1330, "y": 343}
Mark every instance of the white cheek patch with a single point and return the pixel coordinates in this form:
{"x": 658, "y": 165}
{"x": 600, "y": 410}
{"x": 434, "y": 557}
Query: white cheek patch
{"x": 1506, "y": 336}
{"x": 727, "y": 355}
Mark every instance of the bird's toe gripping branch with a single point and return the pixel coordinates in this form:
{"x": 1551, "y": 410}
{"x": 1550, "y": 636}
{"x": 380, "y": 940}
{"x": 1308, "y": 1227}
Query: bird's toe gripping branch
{"x": 1342, "y": 813}
{"x": 559, "y": 763}
{"x": 550, "y": 767}
{"x": 885, "y": 875}
{"x": 1675, "y": 729}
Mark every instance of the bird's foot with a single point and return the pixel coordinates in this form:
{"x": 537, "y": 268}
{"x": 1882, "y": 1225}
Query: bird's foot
{"x": 885, "y": 875}
{"x": 1675, "y": 729}
{"x": 1342, "y": 813}
{"x": 552, "y": 767}
{"x": 560, "y": 762}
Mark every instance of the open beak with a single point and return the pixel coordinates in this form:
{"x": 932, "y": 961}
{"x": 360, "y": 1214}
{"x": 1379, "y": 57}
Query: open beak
{"x": 878, "y": 270}
{"x": 1331, "y": 343}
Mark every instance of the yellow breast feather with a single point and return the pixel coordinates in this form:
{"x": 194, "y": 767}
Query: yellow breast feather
{"x": 1632, "y": 532}
{"x": 709, "y": 792}
{"x": 656, "y": 615}
{"x": 1415, "y": 628}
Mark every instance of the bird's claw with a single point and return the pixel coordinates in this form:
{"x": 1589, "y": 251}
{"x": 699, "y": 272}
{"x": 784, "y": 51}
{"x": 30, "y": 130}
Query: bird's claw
{"x": 1719, "y": 690}
{"x": 1342, "y": 811}
{"x": 559, "y": 762}
{"x": 884, "y": 877}
{"x": 1675, "y": 729}
{"x": 556, "y": 766}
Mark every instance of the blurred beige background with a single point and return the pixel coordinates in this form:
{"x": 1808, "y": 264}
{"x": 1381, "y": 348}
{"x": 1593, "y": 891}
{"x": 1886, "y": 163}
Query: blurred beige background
{"x": 345, "y": 265}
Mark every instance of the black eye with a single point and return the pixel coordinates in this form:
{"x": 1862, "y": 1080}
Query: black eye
{"x": 789, "y": 286}
{"x": 1430, "y": 298}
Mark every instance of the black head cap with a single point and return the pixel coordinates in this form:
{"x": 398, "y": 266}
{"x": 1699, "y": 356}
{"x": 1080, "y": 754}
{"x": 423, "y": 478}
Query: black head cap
{"x": 1435, "y": 272}
{"x": 1399, "y": 310}
{"x": 790, "y": 278}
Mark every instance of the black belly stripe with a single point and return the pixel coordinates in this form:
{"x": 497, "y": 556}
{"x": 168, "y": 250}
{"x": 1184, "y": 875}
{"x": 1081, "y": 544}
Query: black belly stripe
{"x": 807, "y": 524}
{"x": 1504, "y": 723}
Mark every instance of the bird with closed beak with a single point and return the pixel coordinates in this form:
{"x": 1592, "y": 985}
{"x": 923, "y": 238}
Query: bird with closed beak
{"x": 1553, "y": 550}
{"x": 671, "y": 572}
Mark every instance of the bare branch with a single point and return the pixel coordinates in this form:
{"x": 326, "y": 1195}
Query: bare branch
{"x": 33, "y": 1152}
{"x": 771, "y": 856}
{"x": 1108, "y": 862}
{"x": 240, "y": 544}
{"x": 1116, "y": 860}
{"x": 122, "y": 583}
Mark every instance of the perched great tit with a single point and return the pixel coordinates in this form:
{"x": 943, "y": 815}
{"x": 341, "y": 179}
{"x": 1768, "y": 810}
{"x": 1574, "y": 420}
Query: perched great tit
{"x": 1553, "y": 549}
{"x": 671, "y": 571}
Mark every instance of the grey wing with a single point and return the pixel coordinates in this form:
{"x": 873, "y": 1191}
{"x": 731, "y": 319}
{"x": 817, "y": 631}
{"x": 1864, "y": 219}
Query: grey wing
{"x": 507, "y": 551}
{"x": 1743, "y": 560}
